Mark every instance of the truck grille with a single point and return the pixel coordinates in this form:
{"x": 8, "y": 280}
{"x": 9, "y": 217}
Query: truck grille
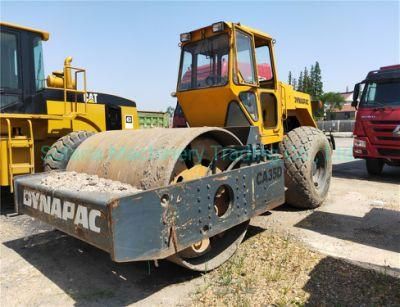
{"x": 389, "y": 152}
{"x": 385, "y": 122}
{"x": 388, "y": 138}
{"x": 380, "y": 132}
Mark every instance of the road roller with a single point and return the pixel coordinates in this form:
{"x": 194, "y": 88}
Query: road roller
{"x": 251, "y": 145}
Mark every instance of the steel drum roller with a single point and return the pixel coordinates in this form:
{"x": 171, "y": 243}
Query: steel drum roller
{"x": 145, "y": 158}
{"x": 158, "y": 157}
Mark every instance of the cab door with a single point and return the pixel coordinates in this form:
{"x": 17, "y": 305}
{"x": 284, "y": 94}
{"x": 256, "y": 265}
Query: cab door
{"x": 11, "y": 77}
{"x": 245, "y": 83}
{"x": 267, "y": 92}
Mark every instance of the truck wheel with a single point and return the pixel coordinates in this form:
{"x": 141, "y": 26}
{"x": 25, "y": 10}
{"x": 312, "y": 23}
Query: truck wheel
{"x": 374, "y": 166}
{"x": 61, "y": 151}
{"x": 308, "y": 164}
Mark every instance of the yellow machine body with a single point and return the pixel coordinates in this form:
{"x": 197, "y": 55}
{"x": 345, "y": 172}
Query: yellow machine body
{"x": 33, "y": 122}
{"x": 209, "y": 105}
{"x": 192, "y": 191}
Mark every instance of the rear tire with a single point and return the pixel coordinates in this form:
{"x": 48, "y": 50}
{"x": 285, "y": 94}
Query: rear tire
{"x": 61, "y": 151}
{"x": 374, "y": 166}
{"x": 308, "y": 167}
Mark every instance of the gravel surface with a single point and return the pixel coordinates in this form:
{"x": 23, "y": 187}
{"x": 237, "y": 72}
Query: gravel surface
{"x": 276, "y": 269}
{"x": 82, "y": 182}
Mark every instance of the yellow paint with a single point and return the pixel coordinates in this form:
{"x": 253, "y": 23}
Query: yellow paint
{"x": 93, "y": 120}
{"x": 45, "y": 35}
{"x": 208, "y": 106}
{"x": 47, "y": 128}
{"x": 25, "y": 138}
{"x": 129, "y": 111}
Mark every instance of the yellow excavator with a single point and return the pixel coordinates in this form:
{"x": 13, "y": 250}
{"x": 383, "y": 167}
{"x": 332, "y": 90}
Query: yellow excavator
{"x": 252, "y": 145}
{"x": 37, "y": 112}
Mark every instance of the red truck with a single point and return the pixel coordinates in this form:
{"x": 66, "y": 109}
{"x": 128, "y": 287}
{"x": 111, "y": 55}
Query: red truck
{"x": 377, "y": 126}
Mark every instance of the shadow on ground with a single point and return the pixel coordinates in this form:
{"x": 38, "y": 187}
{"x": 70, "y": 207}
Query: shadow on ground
{"x": 6, "y": 201}
{"x": 334, "y": 282}
{"x": 356, "y": 170}
{"x": 378, "y": 228}
{"x": 88, "y": 275}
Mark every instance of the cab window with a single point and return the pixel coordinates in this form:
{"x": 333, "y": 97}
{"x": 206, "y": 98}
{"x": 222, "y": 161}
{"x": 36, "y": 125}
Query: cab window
{"x": 9, "y": 62}
{"x": 263, "y": 60}
{"x": 205, "y": 63}
{"x": 245, "y": 60}
{"x": 38, "y": 62}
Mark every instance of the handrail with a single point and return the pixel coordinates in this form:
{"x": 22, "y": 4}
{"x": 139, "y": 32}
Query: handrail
{"x": 283, "y": 98}
{"x": 10, "y": 158}
{"x": 74, "y": 106}
{"x": 37, "y": 116}
{"x": 32, "y": 147}
{"x": 31, "y": 144}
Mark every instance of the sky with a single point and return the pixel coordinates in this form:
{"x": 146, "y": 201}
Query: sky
{"x": 131, "y": 49}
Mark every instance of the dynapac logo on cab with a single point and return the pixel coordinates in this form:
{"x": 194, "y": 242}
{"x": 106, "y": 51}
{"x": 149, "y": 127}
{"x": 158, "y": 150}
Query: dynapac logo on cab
{"x": 65, "y": 210}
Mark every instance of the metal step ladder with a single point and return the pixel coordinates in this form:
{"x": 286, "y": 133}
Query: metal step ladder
{"x": 23, "y": 141}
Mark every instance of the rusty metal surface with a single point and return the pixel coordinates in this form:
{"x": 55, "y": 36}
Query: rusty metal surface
{"x": 82, "y": 215}
{"x": 143, "y": 158}
{"x": 157, "y": 223}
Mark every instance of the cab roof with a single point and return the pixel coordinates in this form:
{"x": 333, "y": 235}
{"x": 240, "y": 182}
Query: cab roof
{"x": 254, "y": 31}
{"x": 246, "y": 28}
{"x": 384, "y": 73}
{"x": 45, "y": 35}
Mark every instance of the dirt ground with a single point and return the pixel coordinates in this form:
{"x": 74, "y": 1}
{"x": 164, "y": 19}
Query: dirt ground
{"x": 360, "y": 223}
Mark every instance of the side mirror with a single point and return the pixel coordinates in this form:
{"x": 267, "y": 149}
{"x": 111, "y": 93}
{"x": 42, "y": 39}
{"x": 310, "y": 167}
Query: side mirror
{"x": 356, "y": 92}
{"x": 173, "y": 94}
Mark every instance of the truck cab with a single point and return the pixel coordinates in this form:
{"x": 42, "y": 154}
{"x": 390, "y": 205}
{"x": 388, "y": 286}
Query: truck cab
{"x": 377, "y": 127}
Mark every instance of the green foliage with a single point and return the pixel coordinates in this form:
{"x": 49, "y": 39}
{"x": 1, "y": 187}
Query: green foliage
{"x": 332, "y": 100}
{"x": 300, "y": 84}
{"x": 170, "y": 110}
{"x": 317, "y": 81}
{"x": 309, "y": 81}
{"x": 306, "y": 81}
{"x": 294, "y": 83}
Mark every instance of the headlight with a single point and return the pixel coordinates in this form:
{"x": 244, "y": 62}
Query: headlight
{"x": 218, "y": 26}
{"x": 185, "y": 37}
{"x": 360, "y": 143}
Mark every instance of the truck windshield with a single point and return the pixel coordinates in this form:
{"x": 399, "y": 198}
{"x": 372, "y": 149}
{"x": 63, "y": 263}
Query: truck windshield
{"x": 383, "y": 93}
{"x": 205, "y": 63}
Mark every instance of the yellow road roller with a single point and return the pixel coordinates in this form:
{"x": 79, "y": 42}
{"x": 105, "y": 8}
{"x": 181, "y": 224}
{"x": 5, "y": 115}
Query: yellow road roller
{"x": 188, "y": 194}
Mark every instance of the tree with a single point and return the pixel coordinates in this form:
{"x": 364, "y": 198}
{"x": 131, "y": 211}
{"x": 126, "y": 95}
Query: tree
{"x": 306, "y": 81}
{"x": 294, "y": 83}
{"x": 170, "y": 110}
{"x": 309, "y": 81}
{"x": 312, "y": 81}
{"x": 290, "y": 78}
{"x": 332, "y": 101}
{"x": 300, "y": 82}
{"x": 318, "y": 85}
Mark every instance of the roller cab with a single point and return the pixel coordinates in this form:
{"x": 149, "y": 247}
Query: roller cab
{"x": 228, "y": 77}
